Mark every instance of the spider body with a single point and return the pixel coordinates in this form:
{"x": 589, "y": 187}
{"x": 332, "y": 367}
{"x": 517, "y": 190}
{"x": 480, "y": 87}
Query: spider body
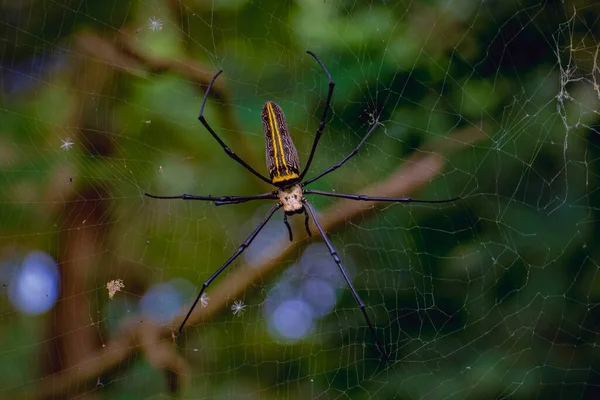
{"x": 283, "y": 162}
{"x": 283, "y": 165}
{"x": 291, "y": 199}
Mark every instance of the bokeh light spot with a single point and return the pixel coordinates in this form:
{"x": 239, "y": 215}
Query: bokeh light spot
{"x": 161, "y": 303}
{"x": 292, "y": 319}
{"x": 35, "y": 286}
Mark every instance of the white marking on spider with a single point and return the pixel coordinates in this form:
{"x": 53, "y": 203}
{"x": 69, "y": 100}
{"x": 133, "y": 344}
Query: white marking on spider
{"x": 238, "y": 308}
{"x": 291, "y": 198}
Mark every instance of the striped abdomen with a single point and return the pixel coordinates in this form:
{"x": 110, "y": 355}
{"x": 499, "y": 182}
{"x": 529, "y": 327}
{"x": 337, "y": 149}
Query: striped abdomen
{"x": 282, "y": 157}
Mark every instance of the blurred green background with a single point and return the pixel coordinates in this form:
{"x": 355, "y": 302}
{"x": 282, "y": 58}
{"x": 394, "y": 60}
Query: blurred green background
{"x": 495, "y": 296}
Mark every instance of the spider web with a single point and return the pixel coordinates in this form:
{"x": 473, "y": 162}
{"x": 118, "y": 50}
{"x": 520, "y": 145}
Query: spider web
{"x": 494, "y": 296}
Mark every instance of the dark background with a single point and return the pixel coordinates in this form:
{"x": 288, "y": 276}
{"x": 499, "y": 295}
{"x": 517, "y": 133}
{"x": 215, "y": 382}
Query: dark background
{"x": 495, "y": 296}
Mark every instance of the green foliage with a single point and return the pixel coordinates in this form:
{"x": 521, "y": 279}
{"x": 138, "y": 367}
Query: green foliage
{"x": 494, "y": 297}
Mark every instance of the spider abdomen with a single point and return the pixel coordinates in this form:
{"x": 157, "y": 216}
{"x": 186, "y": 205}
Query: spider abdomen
{"x": 282, "y": 157}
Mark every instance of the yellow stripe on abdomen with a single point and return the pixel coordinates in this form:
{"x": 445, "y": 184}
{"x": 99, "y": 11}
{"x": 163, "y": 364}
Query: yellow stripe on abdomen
{"x": 273, "y": 125}
{"x": 277, "y": 144}
{"x": 283, "y": 178}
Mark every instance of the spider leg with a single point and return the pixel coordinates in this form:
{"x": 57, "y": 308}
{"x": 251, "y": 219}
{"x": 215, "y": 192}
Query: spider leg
{"x": 349, "y": 156}
{"x": 242, "y": 199}
{"x": 285, "y": 221}
{"x": 306, "y": 222}
{"x": 337, "y": 260}
{"x": 323, "y": 118}
{"x": 239, "y": 251}
{"x": 218, "y": 139}
{"x": 219, "y": 201}
{"x": 369, "y": 198}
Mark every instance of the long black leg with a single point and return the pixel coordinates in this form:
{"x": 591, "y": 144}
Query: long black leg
{"x": 285, "y": 221}
{"x": 239, "y": 251}
{"x": 323, "y": 118}
{"x": 349, "y": 156}
{"x": 369, "y": 198}
{"x": 306, "y": 222}
{"x": 242, "y": 199}
{"x": 223, "y": 145}
{"x": 337, "y": 260}
{"x": 219, "y": 201}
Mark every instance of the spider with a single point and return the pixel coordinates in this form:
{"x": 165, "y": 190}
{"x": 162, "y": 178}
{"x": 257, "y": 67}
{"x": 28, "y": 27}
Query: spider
{"x": 286, "y": 176}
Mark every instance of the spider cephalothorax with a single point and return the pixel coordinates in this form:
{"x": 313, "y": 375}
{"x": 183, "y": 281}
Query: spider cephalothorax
{"x": 283, "y": 165}
{"x": 291, "y": 199}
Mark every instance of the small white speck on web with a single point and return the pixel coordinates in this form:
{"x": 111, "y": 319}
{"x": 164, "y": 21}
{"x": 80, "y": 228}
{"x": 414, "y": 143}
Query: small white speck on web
{"x": 238, "y": 308}
{"x": 66, "y": 144}
{"x": 204, "y": 300}
{"x": 155, "y": 24}
{"x": 114, "y": 286}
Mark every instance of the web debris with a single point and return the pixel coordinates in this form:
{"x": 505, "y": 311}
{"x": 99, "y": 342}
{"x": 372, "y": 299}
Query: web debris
{"x": 574, "y": 63}
{"x": 155, "y": 24}
{"x": 238, "y": 308}
{"x": 114, "y": 286}
{"x": 204, "y": 300}
{"x": 66, "y": 144}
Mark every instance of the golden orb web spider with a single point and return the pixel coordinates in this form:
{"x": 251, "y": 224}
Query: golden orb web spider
{"x": 283, "y": 164}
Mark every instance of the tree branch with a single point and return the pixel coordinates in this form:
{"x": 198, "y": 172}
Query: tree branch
{"x": 418, "y": 170}
{"x": 125, "y": 56}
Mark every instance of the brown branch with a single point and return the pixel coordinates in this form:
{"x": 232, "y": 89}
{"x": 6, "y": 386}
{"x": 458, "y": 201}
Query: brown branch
{"x": 82, "y": 207}
{"x": 129, "y": 59}
{"x": 419, "y": 169}
{"x": 161, "y": 354}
